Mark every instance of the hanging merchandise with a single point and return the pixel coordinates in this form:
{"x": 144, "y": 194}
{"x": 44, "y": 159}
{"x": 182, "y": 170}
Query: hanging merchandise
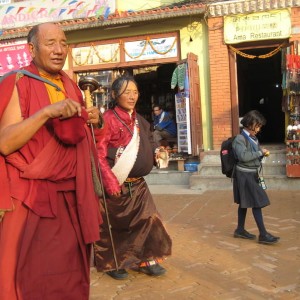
{"x": 291, "y": 81}
{"x": 293, "y": 151}
{"x": 179, "y": 77}
{"x": 291, "y": 105}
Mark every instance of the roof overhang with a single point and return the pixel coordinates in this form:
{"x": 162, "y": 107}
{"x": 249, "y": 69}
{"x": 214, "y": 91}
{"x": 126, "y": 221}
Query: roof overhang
{"x": 224, "y": 8}
{"x": 117, "y": 19}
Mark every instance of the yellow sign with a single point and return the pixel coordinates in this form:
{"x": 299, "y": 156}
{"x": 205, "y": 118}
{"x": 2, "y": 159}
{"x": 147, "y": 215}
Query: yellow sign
{"x": 268, "y": 25}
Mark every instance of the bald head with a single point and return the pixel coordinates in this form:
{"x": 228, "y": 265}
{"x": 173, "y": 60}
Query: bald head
{"x": 48, "y": 47}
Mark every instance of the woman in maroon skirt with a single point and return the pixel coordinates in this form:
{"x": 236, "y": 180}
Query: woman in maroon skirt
{"x": 138, "y": 239}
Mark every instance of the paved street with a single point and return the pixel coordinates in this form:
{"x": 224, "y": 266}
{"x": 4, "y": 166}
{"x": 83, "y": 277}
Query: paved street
{"x": 207, "y": 262}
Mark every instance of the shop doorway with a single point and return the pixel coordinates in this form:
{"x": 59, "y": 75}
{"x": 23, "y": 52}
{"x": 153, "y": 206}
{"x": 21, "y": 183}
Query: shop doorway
{"x": 155, "y": 88}
{"x": 259, "y": 87}
{"x": 154, "y": 84}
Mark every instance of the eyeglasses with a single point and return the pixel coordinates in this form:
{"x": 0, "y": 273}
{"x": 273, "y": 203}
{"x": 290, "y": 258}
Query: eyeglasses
{"x": 156, "y": 109}
{"x": 131, "y": 93}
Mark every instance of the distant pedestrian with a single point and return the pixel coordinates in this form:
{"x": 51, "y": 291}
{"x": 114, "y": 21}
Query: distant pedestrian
{"x": 248, "y": 185}
{"x": 163, "y": 124}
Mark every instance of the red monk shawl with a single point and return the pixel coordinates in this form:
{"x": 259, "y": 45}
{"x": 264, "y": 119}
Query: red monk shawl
{"x": 48, "y": 163}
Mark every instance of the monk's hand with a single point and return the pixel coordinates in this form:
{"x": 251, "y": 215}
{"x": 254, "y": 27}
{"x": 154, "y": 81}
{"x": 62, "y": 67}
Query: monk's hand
{"x": 63, "y": 109}
{"x": 94, "y": 117}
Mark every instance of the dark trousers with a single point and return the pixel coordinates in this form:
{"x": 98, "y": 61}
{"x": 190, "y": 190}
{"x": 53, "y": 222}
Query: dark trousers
{"x": 258, "y": 217}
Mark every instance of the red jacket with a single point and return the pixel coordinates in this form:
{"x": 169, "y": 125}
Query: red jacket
{"x": 115, "y": 135}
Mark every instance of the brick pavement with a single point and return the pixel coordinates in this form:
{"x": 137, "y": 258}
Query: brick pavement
{"x": 207, "y": 262}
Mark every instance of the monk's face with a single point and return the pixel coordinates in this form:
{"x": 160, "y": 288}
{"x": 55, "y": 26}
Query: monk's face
{"x": 129, "y": 97}
{"x": 50, "y": 50}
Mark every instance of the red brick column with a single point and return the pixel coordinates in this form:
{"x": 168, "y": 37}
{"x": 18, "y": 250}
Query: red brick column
{"x": 220, "y": 83}
{"x": 295, "y": 16}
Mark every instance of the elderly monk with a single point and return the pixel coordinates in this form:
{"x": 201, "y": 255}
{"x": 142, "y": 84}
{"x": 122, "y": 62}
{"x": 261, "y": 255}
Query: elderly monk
{"x": 48, "y": 204}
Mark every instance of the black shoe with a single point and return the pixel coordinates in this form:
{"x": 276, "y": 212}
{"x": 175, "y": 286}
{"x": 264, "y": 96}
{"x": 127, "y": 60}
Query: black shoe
{"x": 244, "y": 235}
{"x": 154, "y": 270}
{"x": 118, "y": 274}
{"x": 268, "y": 239}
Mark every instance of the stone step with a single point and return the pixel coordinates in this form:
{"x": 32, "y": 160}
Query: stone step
{"x": 204, "y": 183}
{"x": 209, "y": 176}
{"x": 268, "y": 169}
{"x": 168, "y": 177}
{"x": 214, "y": 156}
{"x": 275, "y": 164}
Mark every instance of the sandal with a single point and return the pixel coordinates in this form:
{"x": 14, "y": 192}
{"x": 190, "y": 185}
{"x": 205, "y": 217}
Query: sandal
{"x": 152, "y": 268}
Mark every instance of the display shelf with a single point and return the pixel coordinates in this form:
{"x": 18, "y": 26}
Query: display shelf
{"x": 293, "y": 158}
{"x": 180, "y": 163}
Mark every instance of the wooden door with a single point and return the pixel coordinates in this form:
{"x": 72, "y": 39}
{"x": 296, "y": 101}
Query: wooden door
{"x": 195, "y": 104}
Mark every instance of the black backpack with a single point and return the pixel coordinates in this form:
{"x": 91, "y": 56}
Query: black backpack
{"x": 228, "y": 160}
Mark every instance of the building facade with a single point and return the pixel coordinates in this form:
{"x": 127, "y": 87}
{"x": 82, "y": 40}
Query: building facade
{"x": 248, "y": 43}
{"x": 107, "y": 39}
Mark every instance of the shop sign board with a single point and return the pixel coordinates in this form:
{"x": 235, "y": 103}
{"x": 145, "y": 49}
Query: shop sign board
{"x": 13, "y": 56}
{"x": 19, "y": 14}
{"x": 96, "y": 54}
{"x": 267, "y": 25}
{"x": 158, "y": 48}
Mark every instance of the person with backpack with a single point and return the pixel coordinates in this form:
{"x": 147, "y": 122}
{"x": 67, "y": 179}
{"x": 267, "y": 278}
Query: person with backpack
{"x": 248, "y": 185}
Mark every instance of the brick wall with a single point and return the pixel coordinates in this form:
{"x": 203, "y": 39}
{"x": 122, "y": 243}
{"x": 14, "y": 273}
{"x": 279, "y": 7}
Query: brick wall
{"x": 220, "y": 83}
{"x": 295, "y": 15}
{"x": 220, "y": 79}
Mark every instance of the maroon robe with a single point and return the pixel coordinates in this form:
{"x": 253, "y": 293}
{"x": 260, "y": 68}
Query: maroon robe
{"x": 53, "y": 212}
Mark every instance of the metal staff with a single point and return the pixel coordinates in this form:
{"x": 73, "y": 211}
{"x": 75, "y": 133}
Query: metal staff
{"x": 89, "y": 84}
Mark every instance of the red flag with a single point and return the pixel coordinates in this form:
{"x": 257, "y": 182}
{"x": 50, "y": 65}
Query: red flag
{"x": 71, "y": 10}
{"x": 20, "y": 9}
{"x": 41, "y": 10}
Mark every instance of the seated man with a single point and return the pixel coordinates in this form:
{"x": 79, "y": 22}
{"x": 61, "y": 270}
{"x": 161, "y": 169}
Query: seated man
{"x": 164, "y": 125}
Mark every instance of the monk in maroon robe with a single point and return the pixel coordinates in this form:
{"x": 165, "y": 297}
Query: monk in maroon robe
{"x": 49, "y": 209}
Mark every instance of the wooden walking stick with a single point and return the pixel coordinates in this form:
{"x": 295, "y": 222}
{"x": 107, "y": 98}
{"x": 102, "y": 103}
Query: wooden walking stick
{"x": 89, "y": 84}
